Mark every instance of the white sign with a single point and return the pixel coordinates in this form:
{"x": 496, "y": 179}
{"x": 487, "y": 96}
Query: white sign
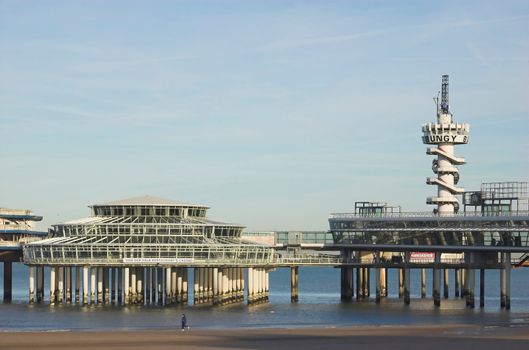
{"x": 445, "y": 138}
{"x": 157, "y": 260}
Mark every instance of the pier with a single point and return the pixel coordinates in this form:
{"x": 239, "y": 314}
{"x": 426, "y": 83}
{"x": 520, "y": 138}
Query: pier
{"x": 103, "y": 260}
{"x": 16, "y": 228}
{"x": 149, "y": 250}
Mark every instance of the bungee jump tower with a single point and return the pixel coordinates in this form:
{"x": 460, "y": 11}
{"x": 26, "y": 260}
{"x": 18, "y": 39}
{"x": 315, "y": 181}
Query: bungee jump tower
{"x": 491, "y": 225}
{"x": 445, "y": 134}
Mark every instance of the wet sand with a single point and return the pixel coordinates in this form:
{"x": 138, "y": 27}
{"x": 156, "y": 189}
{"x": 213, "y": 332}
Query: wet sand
{"x": 432, "y": 337}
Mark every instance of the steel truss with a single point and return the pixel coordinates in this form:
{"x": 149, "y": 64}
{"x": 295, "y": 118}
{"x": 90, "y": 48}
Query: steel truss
{"x": 420, "y": 229}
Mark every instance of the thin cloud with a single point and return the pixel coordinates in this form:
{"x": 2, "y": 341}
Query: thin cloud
{"x": 294, "y": 43}
{"x": 72, "y": 112}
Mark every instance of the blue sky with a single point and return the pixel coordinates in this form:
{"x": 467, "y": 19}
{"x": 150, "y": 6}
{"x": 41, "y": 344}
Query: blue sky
{"x": 274, "y": 113}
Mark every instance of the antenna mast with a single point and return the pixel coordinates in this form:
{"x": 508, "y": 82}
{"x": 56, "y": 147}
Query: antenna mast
{"x": 444, "y": 95}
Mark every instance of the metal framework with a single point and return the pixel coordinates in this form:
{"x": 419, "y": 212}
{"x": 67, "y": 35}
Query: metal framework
{"x": 161, "y": 233}
{"x": 425, "y": 229}
{"x": 18, "y": 226}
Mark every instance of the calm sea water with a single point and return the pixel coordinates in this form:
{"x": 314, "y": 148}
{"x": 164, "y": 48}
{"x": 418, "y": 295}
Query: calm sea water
{"x": 319, "y": 305}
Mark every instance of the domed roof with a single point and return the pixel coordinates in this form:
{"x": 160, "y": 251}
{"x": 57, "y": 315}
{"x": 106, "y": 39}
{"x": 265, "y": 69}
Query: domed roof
{"x": 148, "y": 201}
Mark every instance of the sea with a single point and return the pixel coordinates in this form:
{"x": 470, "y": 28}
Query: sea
{"x": 319, "y": 306}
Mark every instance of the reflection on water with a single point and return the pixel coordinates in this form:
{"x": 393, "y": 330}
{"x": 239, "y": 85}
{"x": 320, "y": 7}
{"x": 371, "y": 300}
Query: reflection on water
{"x": 319, "y": 305}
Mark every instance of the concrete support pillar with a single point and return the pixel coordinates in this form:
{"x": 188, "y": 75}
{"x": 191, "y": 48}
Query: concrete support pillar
{"x": 196, "y": 277}
{"x": 256, "y": 290}
{"x": 168, "y": 275}
{"x": 505, "y": 281}
{"x": 406, "y": 293}
{"x": 401, "y": 283}
{"x": 106, "y": 285}
{"x": 225, "y": 285}
{"x": 133, "y": 290}
{"x": 208, "y": 288}
{"x": 378, "y": 281}
{"x": 126, "y": 285}
{"x": 229, "y": 284}
{"x": 147, "y": 285}
{"x": 31, "y": 284}
{"x": 40, "y": 284}
{"x": 8, "y": 281}
{"x": 173, "y": 285}
{"x": 463, "y": 283}
{"x": 68, "y": 283}
{"x": 93, "y": 283}
{"x": 481, "y": 287}
{"x": 185, "y": 285}
{"x": 220, "y": 282}
{"x": 249, "y": 297}
{"x": 471, "y": 287}
{"x": 85, "y": 285}
{"x": 257, "y": 284}
{"x": 263, "y": 284}
{"x": 99, "y": 285}
{"x": 378, "y": 285}
{"x": 202, "y": 285}
{"x": 358, "y": 283}
{"x": 470, "y": 279}
{"x": 234, "y": 284}
{"x": 294, "y": 289}
{"x": 407, "y": 278}
{"x": 215, "y": 286}
{"x": 260, "y": 284}
{"x": 267, "y": 284}
{"x": 52, "y": 285}
{"x": 153, "y": 284}
{"x": 113, "y": 281}
{"x": 77, "y": 284}
{"x": 367, "y": 284}
{"x": 242, "y": 284}
{"x": 445, "y": 286}
{"x": 383, "y": 282}
{"x": 179, "y": 284}
{"x": 207, "y": 285}
{"x": 346, "y": 283}
{"x": 140, "y": 287}
{"x": 436, "y": 290}
{"x": 159, "y": 284}
{"x": 60, "y": 285}
{"x": 120, "y": 285}
{"x": 457, "y": 279}
{"x": 423, "y": 283}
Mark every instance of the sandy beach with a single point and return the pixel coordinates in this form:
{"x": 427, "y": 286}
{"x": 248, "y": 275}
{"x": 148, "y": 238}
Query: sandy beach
{"x": 405, "y": 337}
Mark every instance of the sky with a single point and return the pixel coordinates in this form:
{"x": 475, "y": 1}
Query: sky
{"x": 274, "y": 113}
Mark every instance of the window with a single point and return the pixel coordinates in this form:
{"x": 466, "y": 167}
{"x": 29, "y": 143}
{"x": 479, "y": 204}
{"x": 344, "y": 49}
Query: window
{"x": 145, "y": 211}
{"x": 129, "y": 211}
{"x": 160, "y": 211}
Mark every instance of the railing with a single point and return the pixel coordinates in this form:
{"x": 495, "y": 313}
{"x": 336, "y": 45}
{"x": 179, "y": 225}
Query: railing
{"x": 308, "y": 260}
{"x": 427, "y": 214}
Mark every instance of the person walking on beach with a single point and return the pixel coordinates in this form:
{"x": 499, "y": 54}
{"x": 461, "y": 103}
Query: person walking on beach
{"x": 184, "y": 322}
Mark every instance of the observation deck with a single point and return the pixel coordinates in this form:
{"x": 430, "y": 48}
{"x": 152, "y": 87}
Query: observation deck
{"x": 146, "y": 231}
